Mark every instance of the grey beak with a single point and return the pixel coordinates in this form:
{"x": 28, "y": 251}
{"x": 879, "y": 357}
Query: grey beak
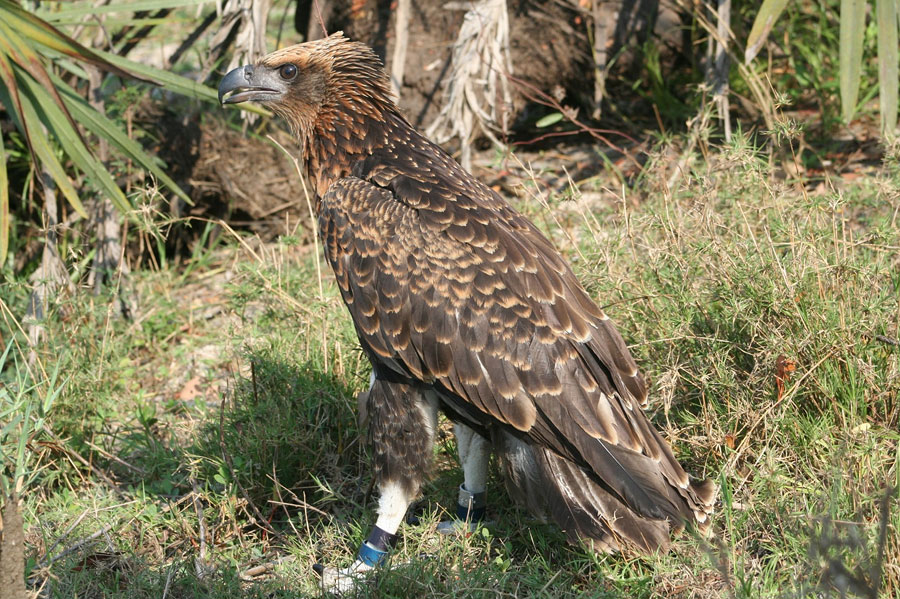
{"x": 248, "y": 83}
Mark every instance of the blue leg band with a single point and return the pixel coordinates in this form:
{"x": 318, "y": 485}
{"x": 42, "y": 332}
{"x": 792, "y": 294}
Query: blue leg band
{"x": 374, "y": 551}
{"x": 370, "y": 556}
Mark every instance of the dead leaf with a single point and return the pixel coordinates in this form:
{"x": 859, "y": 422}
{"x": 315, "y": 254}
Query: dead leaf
{"x": 191, "y": 390}
{"x": 783, "y": 369}
{"x": 729, "y": 441}
{"x": 100, "y": 560}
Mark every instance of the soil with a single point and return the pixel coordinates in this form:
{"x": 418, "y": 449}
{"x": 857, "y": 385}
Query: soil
{"x": 248, "y": 182}
{"x": 241, "y": 178}
{"x": 549, "y": 47}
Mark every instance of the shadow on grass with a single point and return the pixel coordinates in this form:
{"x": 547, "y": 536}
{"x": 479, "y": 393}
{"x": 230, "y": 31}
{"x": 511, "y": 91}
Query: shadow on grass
{"x": 279, "y": 453}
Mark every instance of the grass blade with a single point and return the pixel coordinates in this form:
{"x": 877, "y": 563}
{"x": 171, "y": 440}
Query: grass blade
{"x": 762, "y": 25}
{"x": 19, "y": 476}
{"x": 853, "y": 26}
{"x": 888, "y": 78}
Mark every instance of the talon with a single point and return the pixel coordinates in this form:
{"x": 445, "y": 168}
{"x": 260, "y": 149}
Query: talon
{"x": 455, "y": 526}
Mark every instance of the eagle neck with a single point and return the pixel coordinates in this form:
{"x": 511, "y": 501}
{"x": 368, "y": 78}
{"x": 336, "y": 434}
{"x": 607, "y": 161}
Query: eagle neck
{"x": 344, "y": 133}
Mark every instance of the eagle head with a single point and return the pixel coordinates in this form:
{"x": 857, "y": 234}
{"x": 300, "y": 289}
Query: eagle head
{"x": 306, "y": 81}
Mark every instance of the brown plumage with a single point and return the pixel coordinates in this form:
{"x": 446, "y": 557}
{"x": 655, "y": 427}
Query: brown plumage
{"x": 455, "y": 294}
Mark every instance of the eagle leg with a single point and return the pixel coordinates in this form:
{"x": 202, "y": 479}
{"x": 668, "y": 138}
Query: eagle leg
{"x": 402, "y": 419}
{"x": 474, "y": 455}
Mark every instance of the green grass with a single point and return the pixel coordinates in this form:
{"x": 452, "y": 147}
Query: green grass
{"x": 226, "y": 410}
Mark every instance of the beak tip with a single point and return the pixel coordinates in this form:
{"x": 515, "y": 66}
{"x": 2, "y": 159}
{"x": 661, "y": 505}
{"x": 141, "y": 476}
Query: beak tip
{"x": 230, "y": 82}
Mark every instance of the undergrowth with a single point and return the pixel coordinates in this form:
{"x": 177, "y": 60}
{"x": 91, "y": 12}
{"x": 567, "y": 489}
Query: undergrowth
{"x": 216, "y": 432}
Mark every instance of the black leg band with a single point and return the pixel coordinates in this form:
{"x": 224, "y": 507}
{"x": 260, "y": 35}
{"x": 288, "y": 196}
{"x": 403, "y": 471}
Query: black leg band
{"x": 471, "y": 506}
{"x": 381, "y": 539}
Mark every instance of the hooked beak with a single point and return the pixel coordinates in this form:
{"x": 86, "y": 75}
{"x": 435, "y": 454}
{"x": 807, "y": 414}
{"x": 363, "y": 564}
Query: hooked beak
{"x": 250, "y": 83}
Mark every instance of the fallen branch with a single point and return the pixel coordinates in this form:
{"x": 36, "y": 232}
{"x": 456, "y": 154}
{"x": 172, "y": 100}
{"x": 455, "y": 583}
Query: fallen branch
{"x": 887, "y": 340}
{"x": 266, "y": 567}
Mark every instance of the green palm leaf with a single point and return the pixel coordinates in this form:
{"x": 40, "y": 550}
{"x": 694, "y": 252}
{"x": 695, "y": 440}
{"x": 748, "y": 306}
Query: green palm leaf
{"x": 38, "y": 31}
{"x": 762, "y": 25}
{"x": 24, "y": 119}
{"x": 141, "y": 5}
{"x": 4, "y": 204}
{"x": 53, "y": 118}
{"x": 853, "y": 27}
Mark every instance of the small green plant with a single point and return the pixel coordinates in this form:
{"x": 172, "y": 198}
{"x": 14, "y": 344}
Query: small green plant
{"x": 25, "y": 403}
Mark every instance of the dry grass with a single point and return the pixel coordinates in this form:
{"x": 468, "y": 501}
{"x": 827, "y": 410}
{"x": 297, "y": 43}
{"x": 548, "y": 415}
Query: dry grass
{"x": 217, "y": 431}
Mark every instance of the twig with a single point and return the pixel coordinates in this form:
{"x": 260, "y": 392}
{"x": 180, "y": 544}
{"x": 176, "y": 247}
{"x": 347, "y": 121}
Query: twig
{"x": 66, "y": 533}
{"x": 116, "y": 459}
{"x": 92, "y": 468}
{"x": 76, "y": 545}
{"x": 300, "y": 503}
{"x": 200, "y": 563}
{"x": 280, "y": 501}
{"x": 887, "y": 340}
{"x": 319, "y": 16}
{"x": 169, "y": 575}
{"x": 266, "y": 567}
{"x": 539, "y": 97}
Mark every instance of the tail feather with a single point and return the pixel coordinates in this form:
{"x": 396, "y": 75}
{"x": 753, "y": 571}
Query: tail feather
{"x": 585, "y": 508}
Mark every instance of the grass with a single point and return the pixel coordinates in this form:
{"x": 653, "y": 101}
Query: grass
{"x": 217, "y": 431}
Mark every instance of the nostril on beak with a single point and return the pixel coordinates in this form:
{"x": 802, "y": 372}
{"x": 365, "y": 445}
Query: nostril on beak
{"x": 248, "y": 72}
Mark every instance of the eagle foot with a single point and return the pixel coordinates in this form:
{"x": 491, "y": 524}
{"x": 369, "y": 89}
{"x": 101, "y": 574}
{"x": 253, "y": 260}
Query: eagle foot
{"x": 470, "y": 512}
{"x": 372, "y": 554}
{"x": 341, "y": 581}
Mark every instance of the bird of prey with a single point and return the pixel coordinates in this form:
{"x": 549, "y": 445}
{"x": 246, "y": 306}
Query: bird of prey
{"x": 463, "y": 306}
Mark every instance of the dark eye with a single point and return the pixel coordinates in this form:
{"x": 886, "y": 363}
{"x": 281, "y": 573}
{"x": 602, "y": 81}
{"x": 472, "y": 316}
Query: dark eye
{"x": 288, "y": 72}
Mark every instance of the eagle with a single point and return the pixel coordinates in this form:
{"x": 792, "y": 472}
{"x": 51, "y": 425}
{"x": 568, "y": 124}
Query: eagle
{"x": 464, "y": 307}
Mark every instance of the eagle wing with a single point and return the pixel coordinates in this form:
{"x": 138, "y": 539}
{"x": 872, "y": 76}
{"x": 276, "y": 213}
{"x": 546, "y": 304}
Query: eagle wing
{"x": 458, "y": 290}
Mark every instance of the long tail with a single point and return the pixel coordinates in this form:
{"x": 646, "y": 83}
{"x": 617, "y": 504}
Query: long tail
{"x": 586, "y": 509}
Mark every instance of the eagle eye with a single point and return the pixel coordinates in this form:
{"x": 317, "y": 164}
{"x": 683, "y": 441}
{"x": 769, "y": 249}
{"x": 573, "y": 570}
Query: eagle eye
{"x": 288, "y": 72}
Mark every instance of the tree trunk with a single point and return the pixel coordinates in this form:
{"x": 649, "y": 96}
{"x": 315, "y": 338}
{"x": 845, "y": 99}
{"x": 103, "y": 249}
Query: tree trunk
{"x": 109, "y": 266}
{"x": 51, "y": 275}
{"x": 12, "y": 550}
